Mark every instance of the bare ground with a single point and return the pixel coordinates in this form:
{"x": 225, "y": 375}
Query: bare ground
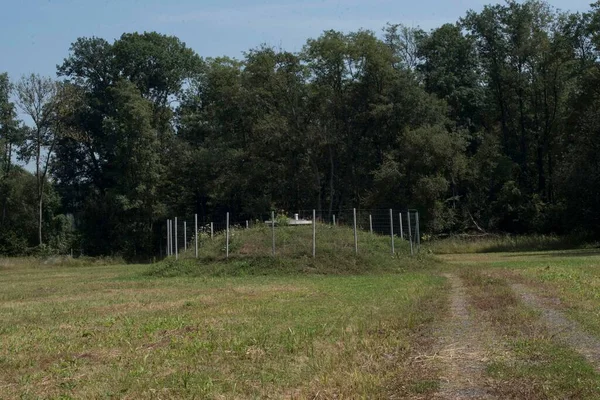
{"x": 560, "y": 326}
{"x": 464, "y": 348}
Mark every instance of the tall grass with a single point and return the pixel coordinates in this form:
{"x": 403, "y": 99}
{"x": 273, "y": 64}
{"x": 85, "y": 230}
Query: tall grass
{"x": 505, "y": 243}
{"x": 57, "y": 261}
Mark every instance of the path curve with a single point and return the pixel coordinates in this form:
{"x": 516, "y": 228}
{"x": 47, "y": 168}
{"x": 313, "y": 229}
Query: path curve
{"x": 565, "y": 329}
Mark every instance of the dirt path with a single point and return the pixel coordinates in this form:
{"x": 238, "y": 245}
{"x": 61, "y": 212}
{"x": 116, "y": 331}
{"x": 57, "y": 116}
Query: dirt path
{"x": 464, "y": 348}
{"x": 562, "y": 327}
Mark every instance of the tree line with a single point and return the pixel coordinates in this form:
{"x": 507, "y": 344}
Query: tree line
{"x": 491, "y": 124}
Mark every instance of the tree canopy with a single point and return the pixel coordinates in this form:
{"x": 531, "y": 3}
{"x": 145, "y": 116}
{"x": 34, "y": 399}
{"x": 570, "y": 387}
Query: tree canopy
{"x": 491, "y": 123}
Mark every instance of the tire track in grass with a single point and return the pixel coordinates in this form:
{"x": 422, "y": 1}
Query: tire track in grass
{"x": 464, "y": 350}
{"x": 563, "y": 328}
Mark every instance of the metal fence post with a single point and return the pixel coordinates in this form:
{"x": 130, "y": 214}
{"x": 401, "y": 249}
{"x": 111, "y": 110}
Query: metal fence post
{"x": 196, "y": 233}
{"x": 401, "y": 228}
{"x": 212, "y": 231}
{"x": 409, "y": 233}
{"x": 176, "y": 248}
{"x": 247, "y": 226}
{"x": 333, "y": 219}
{"x": 371, "y": 223}
{"x": 355, "y": 234}
{"x": 273, "y": 231}
{"x": 314, "y": 233}
{"x": 185, "y": 237}
{"x": 168, "y": 244}
{"x": 227, "y": 234}
{"x": 392, "y": 230}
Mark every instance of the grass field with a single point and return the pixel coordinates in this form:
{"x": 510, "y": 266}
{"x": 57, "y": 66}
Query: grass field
{"x": 338, "y": 326}
{"x": 541, "y": 362}
{"x": 571, "y": 277}
{"x": 100, "y": 332}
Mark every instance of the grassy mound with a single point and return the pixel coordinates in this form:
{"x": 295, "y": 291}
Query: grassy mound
{"x": 250, "y": 253}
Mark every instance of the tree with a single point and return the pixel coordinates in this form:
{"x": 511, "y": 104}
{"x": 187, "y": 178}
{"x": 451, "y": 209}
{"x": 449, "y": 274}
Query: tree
{"x": 404, "y": 44}
{"x": 450, "y": 69}
{"x": 530, "y": 68}
{"x": 19, "y": 229}
{"x": 579, "y": 172}
{"x": 350, "y": 79}
{"x": 479, "y": 124}
{"x": 121, "y": 125}
{"x": 11, "y": 140}
{"x": 36, "y": 97}
{"x": 134, "y": 162}
{"x": 157, "y": 64}
{"x": 90, "y": 64}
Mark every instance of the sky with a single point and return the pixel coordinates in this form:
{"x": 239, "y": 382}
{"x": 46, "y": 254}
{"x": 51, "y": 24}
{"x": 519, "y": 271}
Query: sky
{"x": 35, "y": 35}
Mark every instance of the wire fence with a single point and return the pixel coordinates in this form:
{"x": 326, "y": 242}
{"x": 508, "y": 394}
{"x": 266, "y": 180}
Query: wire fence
{"x": 305, "y": 233}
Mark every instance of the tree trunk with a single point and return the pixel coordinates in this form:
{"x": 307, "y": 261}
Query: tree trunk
{"x": 331, "y": 184}
{"x": 40, "y": 204}
{"x": 40, "y": 189}
{"x": 540, "y": 166}
{"x": 3, "y": 211}
{"x": 523, "y": 137}
{"x": 6, "y": 172}
{"x": 550, "y": 178}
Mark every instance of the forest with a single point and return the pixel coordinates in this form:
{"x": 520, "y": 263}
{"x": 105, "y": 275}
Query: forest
{"x": 489, "y": 124}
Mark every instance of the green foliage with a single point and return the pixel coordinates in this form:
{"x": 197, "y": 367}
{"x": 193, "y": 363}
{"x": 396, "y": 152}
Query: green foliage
{"x": 488, "y": 125}
{"x": 172, "y": 63}
{"x": 281, "y": 219}
{"x": 37, "y": 98}
{"x": 19, "y": 233}
{"x": 120, "y": 142}
{"x": 450, "y": 70}
{"x": 426, "y": 169}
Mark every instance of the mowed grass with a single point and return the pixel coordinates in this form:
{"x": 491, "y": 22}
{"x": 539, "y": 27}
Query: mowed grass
{"x": 114, "y": 331}
{"x": 572, "y": 277}
{"x": 539, "y": 365}
{"x": 338, "y": 325}
{"x": 536, "y": 365}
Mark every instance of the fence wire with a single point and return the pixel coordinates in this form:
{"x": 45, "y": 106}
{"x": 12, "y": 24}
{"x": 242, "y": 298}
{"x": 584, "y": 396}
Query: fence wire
{"x": 305, "y": 233}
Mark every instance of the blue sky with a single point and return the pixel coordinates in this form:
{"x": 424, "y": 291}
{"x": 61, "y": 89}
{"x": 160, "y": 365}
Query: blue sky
{"x": 36, "y": 34}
